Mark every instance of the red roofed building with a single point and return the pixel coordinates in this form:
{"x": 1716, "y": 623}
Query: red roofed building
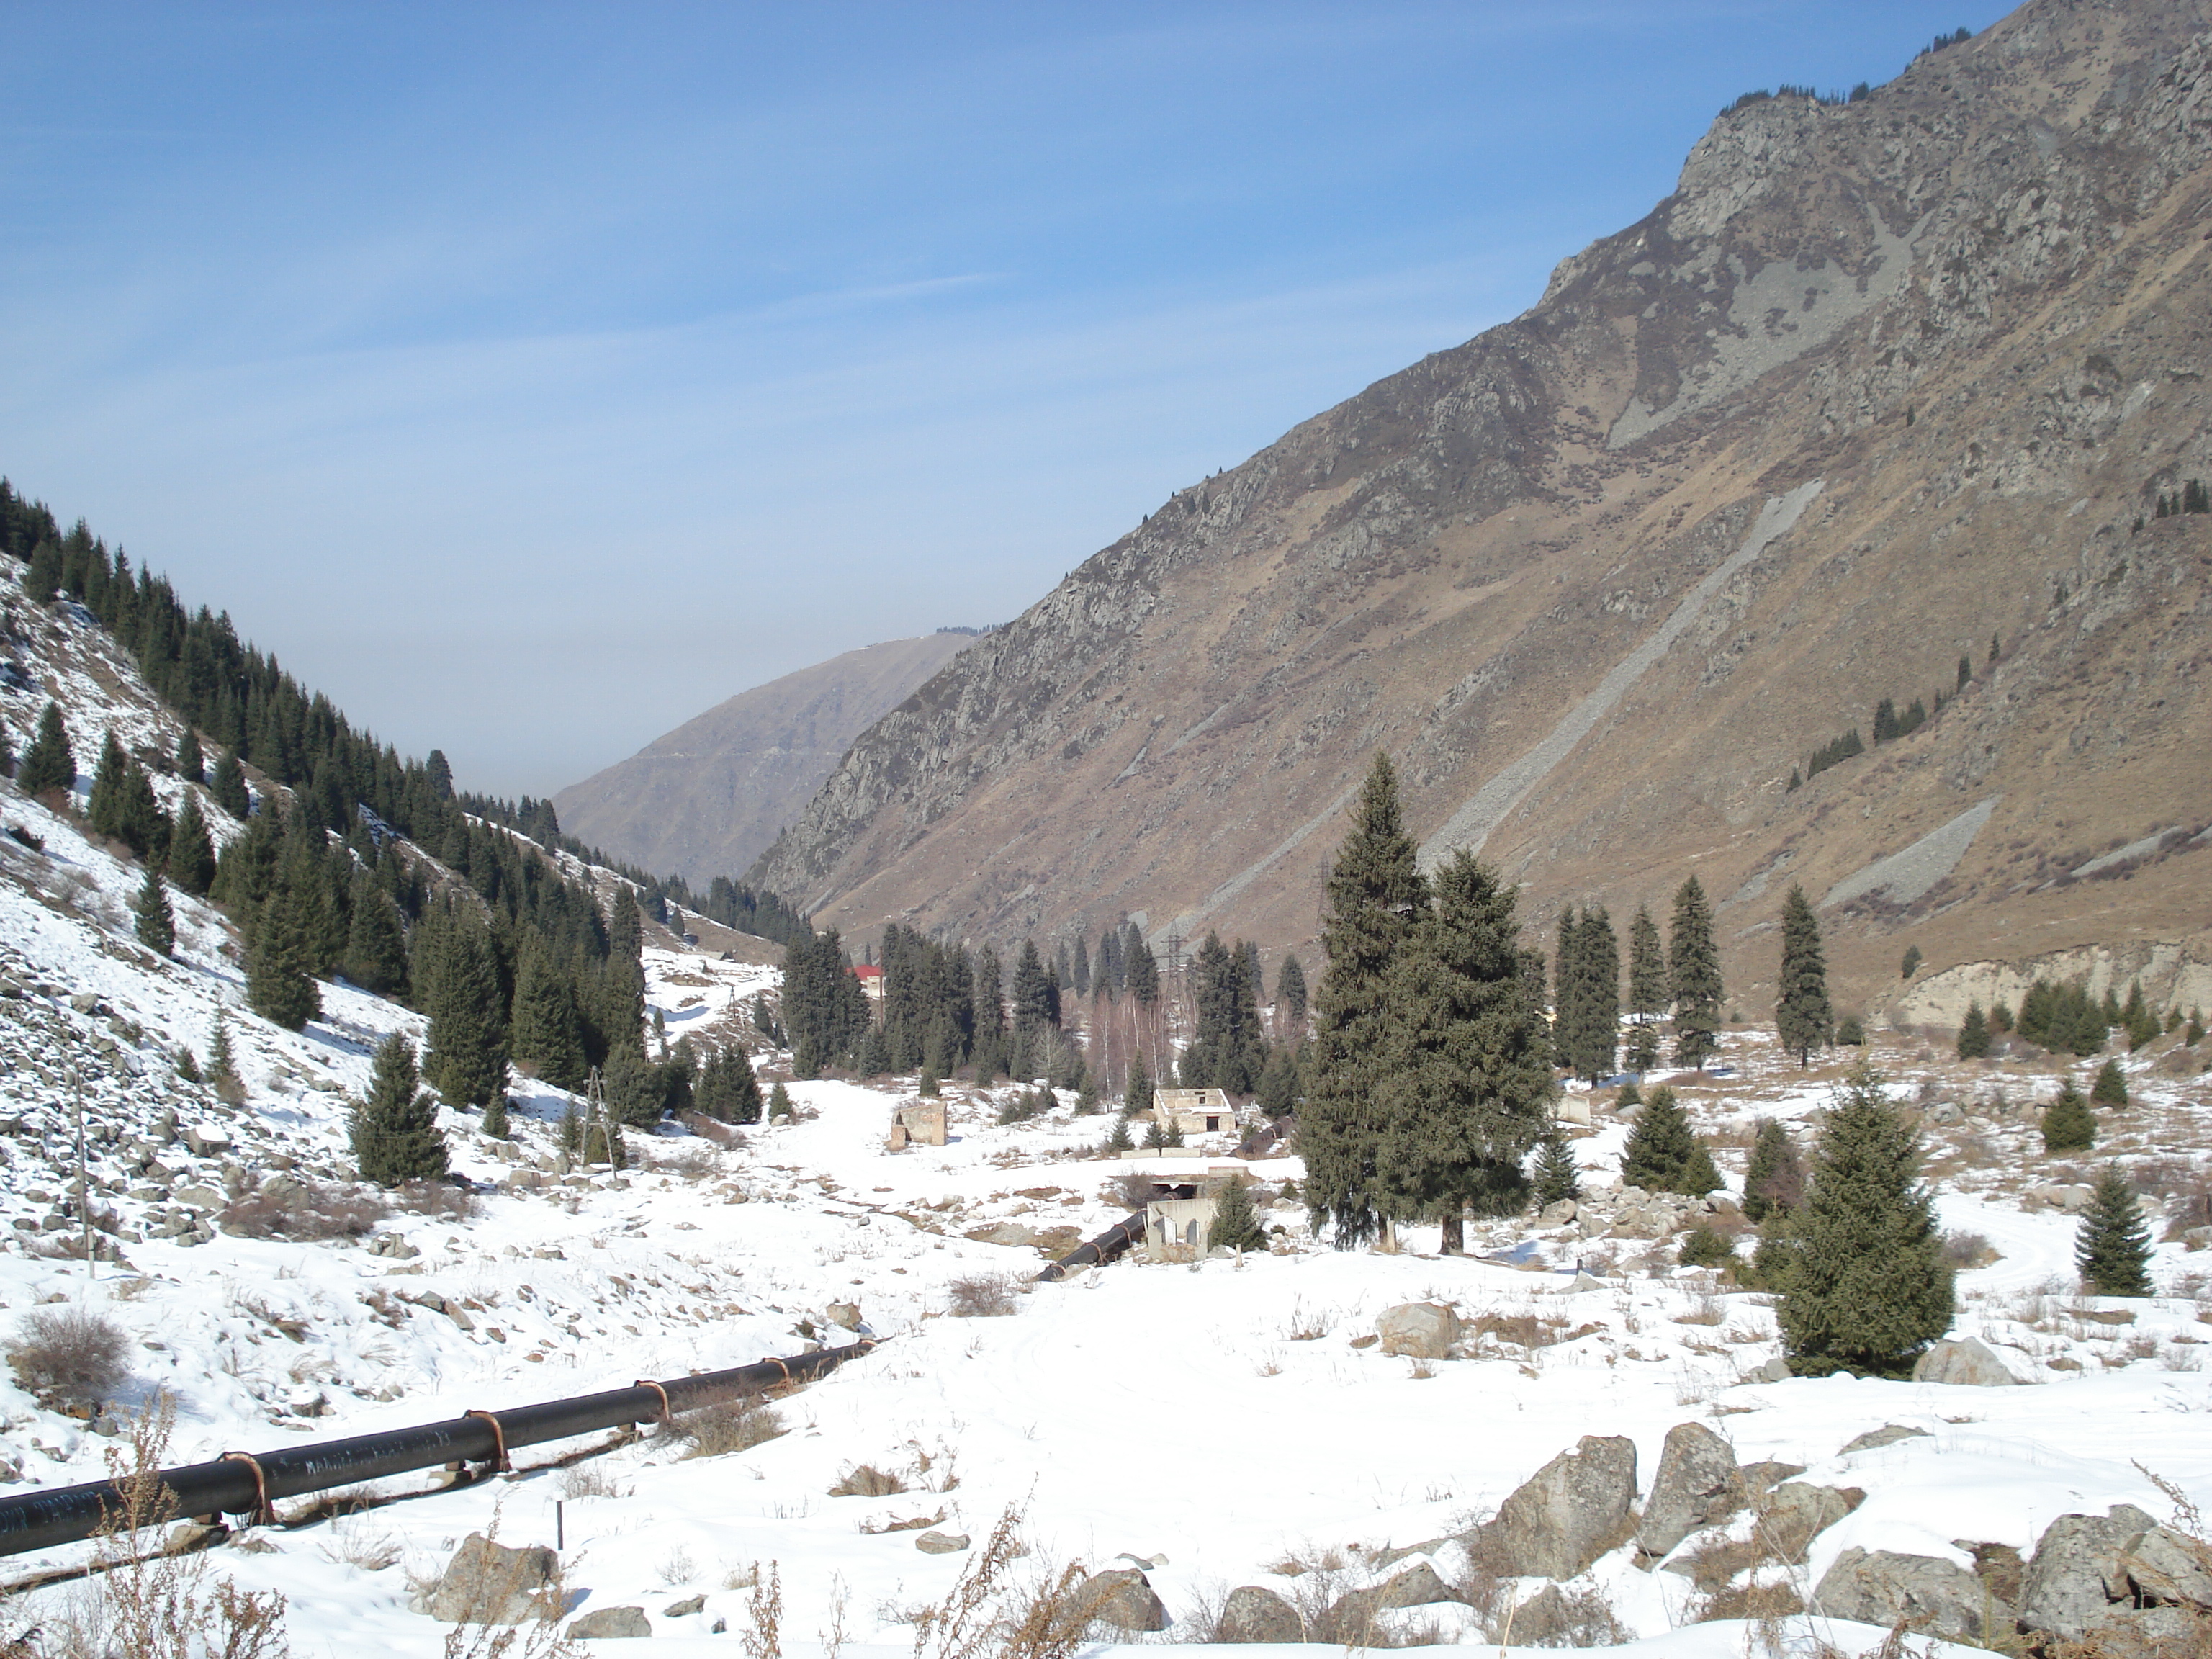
{"x": 871, "y": 981}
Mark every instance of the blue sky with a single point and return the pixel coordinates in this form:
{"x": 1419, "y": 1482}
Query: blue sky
{"x": 532, "y": 377}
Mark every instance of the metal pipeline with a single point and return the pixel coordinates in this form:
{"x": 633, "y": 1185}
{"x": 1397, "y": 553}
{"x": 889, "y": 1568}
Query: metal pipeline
{"x": 238, "y": 1483}
{"x": 1097, "y": 1252}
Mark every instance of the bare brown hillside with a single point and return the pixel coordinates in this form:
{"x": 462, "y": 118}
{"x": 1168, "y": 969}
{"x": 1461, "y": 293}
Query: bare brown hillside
{"x": 706, "y": 799}
{"x": 1879, "y": 384}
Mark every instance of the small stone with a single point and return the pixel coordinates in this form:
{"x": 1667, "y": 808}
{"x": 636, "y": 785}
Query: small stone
{"x": 1965, "y": 1362}
{"x": 490, "y": 1583}
{"x": 685, "y": 1609}
{"x": 941, "y": 1543}
{"x": 1123, "y": 1599}
{"x": 845, "y": 1316}
{"x": 611, "y": 1622}
{"x": 1257, "y": 1614}
{"x": 1887, "y": 1435}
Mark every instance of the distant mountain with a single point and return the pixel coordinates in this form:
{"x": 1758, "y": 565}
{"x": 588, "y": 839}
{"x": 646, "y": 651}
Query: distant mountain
{"x": 1899, "y": 396}
{"x": 706, "y": 799}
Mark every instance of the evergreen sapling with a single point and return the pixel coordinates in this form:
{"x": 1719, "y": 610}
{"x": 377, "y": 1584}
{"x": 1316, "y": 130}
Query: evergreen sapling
{"x": 1774, "y": 1179}
{"x": 156, "y": 925}
{"x": 2112, "y": 1247}
{"x": 395, "y": 1124}
{"x": 1974, "y": 1034}
{"x": 1555, "y": 1179}
{"x": 2111, "y": 1088}
{"x": 1663, "y": 1154}
{"x": 1235, "y": 1226}
{"x": 2068, "y": 1126}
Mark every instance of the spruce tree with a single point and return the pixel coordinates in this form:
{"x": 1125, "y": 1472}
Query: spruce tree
{"x": 192, "y": 762}
{"x": 1374, "y": 897}
{"x": 1117, "y": 1137}
{"x": 156, "y": 925}
{"x": 779, "y": 1102}
{"x": 1235, "y": 1226}
{"x": 1588, "y": 1044}
{"x": 1279, "y": 1081}
{"x": 2112, "y": 1247}
{"x": 1465, "y": 1083}
{"x": 222, "y": 1068}
{"x": 1556, "y": 1177}
{"x": 1694, "y": 975}
{"x": 1156, "y": 1134}
{"x": 47, "y": 763}
{"x": 496, "y": 1122}
{"x": 375, "y": 955}
{"x": 226, "y": 783}
{"x": 1290, "y": 996}
{"x": 1663, "y": 1154}
{"x": 190, "y": 861}
{"x": 2068, "y": 1124}
{"x": 1774, "y": 1179}
{"x": 278, "y": 985}
{"x": 103, "y": 803}
{"x": 395, "y": 1137}
{"x": 1647, "y": 989}
{"x": 1974, "y": 1034}
{"x": 1802, "y": 1015}
{"x": 634, "y": 1093}
{"x": 1566, "y": 986}
{"x": 467, "y": 1052}
{"x": 140, "y": 821}
{"x": 1138, "y": 1097}
{"x": 547, "y": 1031}
{"x": 1865, "y": 1288}
{"x": 2111, "y": 1088}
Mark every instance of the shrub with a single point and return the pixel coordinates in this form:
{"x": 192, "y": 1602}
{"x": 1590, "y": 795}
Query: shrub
{"x": 1850, "y": 1032}
{"x": 304, "y": 1212}
{"x": 980, "y": 1295}
{"x": 1702, "y": 1247}
{"x": 867, "y": 1481}
{"x": 69, "y": 1354}
{"x": 735, "y": 1426}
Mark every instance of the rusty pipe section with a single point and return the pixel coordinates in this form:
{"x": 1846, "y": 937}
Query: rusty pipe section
{"x": 1098, "y": 1252}
{"x": 239, "y": 1483}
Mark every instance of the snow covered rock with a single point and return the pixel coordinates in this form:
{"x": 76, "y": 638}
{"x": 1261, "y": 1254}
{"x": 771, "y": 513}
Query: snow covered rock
{"x": 1419, "y": 1330}
{"x": 941, "y": 1543}
{"x": 489, "y": 1583}
{"x": 611, "y": 1622}
{"x": 1697, "y": 1486}
{"x": 1257, "y": 1614}
{"x": 1796, "y": 1513}
{"x": 1934, "y": 1596}
{"x": 2066, "y": 1592}
{"x": 1965, "y": 1362}
{"x": 1419, "y": 1586}
{"x": 1570, "y": 1512}
{"x": 1887, "y": 1435}
{"x": 1122, "y": 1598}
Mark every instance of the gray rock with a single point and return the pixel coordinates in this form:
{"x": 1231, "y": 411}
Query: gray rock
{"x": 1566, "y": 1515}
{"x": 1776, "y": 1370}
{"x": 1932, "y": 1596}
{"x": 1760, "y": 1478}
{"x": 489, "y": 1583}
{"x": 2064, "y": 1592}
{"x": 1419, "y": 1330}
{"x": 1558, "y": 1213}
{"x": 685, "y": 1609}
{"x": 1542, "y": 1620}
{"x": 609, "y": 1622}
{"x": 1123, "y": 1599}
{"x": 2161, "y": 1567}
{"x": 941, "y": 1543}
{"x": 845, "y": 1316}
{"x": 1697, "y": 1486}
{"x": 1794, "y": 1514}
{"x": 1965, "y": 1363}
{"x": 1887, "y": 1435}
{"x": 1255, "y": 1615}
{"x": 205, "y": 1139}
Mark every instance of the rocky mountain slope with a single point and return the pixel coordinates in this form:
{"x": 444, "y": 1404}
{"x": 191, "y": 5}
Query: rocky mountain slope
{"x": 706, "y": 799}
{"x": 1883, "y": 387}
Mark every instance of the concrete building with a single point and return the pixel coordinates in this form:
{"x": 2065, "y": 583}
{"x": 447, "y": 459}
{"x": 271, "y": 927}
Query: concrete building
{"x": 1195, "y": 1111}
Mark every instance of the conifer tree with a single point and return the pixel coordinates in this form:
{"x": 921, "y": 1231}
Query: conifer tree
{"x": 1589, "y": 1036}
{"x": 1693, "y": 974}
{"x": 47, "y": 763}
{"x": 1647, "y": 969}
{"x": 1280, "y": 1081}
{"x": 1086, "y": 1097}
{"x": 375, "y": 957}
{"x": 1374, "y": 897}
{"x": 1235, "y": 1226}
{"x": 1802, "y": 1015}
{"x": 632, "y": 1088}
{"x": 1773, "y": 1179}
{"x": 1663, "y": 1154}
{"x": 1290, "y": 996}
{"x": 495, "y": 1123}
{"x": 1138, "y": 1096}
{"x": 140, "y": 821}
{"x": 1466, "y": 1085}
{"x": 467, "y": 1057}
{"x": 1080, "y": 979}
{"x": 2111, "y": 1088}
{"x": 395, "y": 1137}
{"x": 1156, "y": 1134}
{"x": 1032, "y": 999}
{"x": 1117, "y": 1137}
{"x": 226, "y": 783}
{"x": 103, "y": 803}
{"x": 2112, "y": 1247}
{"x": 547, "y": 1031}
{"x": 779, "y": 1102}
{"x": 279, "y": 986}
{"x": 1566, "y": 1017}
{"x": 156, "y": 924}
{"x": 1974, "y": 1034}
{"x": 1556, "y": 1177}
{"x": 190, "y": 860}
{"x": 2068, "y": 1126}
{"x": 1143, "y": 967}
{"x": 1865, "y": 1288}
{"x": 192, "y": 762}
{"x": 222, "y": 1068}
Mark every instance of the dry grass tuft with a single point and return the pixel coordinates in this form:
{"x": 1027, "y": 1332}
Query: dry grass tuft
{"x": 69, "y": 1354}
{"x": 982, "y": 1296}
{"x": 736, "y": 1425}
{"x": 867, "y": 1481}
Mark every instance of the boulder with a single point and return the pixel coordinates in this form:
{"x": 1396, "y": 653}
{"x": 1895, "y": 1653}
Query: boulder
{"x": 1794, "y": 1513}
{"x": 1570, "y": 1512}
{"x": 1122, "y": 1598}
{"x": 1419, "y": 1586}
{"x": 1543, "y": 1621}
{"x": 1697, "y": 1486}
{"x": 1558, "y": 1213}
{"x": 205, "y": 1139}
{"x": 2065, "y": 1592}
{"x": 1255, "y": 1615}
{"x": 685, "y": 1609}
{"x": 941, "y": 1543}
{"x": 1965, "y": 1362}
{"x": 845, "y": 1316}
{"x": 1887, "y": 1435}
{"x": 1932, "y": 1596}
{"x": 489, "y": 1583}
{"x": 2161, "y": 1566}
{"x": 1419, "y": 1330}
{"x": 1760, "y": 1478}
{"x": 609, "y": 1622}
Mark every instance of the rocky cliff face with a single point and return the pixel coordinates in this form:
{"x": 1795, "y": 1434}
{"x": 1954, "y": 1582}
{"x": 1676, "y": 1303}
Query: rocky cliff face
{"x": 1880, "y": 383}
{"x": 706, "y": 800}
